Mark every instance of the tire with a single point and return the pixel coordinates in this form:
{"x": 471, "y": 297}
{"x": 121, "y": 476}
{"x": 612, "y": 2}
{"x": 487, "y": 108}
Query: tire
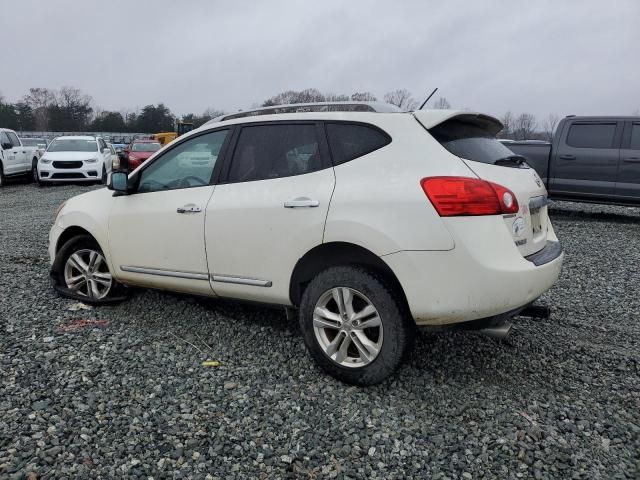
{"x": 33, "y": 174}
{"x": 93, "y": 285}
{"x": 362, "y": 289}
{"x": 2, "y": 178}
{"x": 103, "y": 180}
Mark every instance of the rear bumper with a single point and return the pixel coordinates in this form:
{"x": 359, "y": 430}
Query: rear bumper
{"x": 483, "y": 276}
{"x": 549, "y": 253}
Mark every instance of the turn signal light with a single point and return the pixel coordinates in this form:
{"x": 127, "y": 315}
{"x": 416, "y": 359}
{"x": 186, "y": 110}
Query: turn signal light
{"x": 464, "y": 196}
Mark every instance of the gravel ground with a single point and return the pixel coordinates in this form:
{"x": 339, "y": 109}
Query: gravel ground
{"x": 127, "y": 395}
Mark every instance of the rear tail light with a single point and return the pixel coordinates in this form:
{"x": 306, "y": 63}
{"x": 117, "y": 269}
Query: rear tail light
{"x": 462, "y": 196}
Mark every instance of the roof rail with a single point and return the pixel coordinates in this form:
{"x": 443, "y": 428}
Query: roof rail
{"x": 312, "y": 107}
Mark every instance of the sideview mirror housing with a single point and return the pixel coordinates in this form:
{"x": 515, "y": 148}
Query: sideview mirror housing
{"x": 106, "y": 151}
{"x": 118, "y": 182}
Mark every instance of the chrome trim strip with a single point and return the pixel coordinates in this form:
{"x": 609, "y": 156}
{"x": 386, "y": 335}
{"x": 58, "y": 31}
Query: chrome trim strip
{"x": 165, "y": 273}
{"x": 254, "y": 282}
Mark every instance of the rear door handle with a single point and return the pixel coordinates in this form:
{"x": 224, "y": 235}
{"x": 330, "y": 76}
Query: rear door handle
{"x": 189, "y": 208}
{"x": 567, "y": 157}
{"x": 632, "y": 160}
{"x": 301, "y": 202}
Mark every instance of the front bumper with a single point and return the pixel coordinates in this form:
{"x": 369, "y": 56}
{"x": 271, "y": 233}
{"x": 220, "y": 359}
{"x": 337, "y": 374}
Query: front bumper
{"x": 88, "y": 172}
{"x": 483, "y": 276}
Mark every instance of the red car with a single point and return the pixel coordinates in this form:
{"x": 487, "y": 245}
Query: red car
{"x": 139, "y": 151}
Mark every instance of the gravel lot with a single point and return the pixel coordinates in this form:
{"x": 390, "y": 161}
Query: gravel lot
{"x": 128, "y": 396}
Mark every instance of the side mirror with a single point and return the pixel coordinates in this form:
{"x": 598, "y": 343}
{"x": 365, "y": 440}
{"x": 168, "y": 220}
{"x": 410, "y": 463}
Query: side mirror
{"x": 118, "y": 182}
{"x": 106, "y": 151}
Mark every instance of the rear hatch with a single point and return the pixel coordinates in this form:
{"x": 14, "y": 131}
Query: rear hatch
{"x": 472, "y": 138}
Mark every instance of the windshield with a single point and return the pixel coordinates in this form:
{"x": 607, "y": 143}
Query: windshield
{"x": 73, "y": 145}
{"x": 470, "y": 141}
{"x": 145, "y": 147}
{"x": 33, "y": 142}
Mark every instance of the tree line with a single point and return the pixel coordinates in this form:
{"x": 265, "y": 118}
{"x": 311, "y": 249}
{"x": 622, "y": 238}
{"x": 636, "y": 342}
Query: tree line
{"x": 69, "y": 109}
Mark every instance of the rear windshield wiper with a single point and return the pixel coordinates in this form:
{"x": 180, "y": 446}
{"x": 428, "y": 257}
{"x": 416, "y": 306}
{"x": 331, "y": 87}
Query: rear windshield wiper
{"x": 511, "y": 161}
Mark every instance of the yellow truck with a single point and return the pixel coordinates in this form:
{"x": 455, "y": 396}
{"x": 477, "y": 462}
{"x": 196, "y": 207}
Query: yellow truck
{"x": 166, "y": 137}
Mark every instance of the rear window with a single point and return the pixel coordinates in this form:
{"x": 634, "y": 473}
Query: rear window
{"x": 348, "y": 140}
{"x": 591, "y": 135}
{"x": 470, "y": 141}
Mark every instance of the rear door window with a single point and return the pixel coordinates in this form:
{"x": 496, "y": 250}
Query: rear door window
{"x": 274, "y": 151}
{"x": 348, "y": 141}
{"x": 591, "y": 135}
{"x": 635, "y": 137}
{"x": 471, "y": 141}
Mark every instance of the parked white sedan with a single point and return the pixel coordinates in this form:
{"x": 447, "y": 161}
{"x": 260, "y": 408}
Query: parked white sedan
{"x": 367, "y": 223}
{"x": 74, "y": 158}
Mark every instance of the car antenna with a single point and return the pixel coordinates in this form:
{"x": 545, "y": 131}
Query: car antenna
{"x": 428, "y": 98}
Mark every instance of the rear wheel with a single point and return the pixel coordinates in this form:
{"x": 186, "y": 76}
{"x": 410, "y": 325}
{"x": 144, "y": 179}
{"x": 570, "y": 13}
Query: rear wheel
{"x": 81, "y": 267}
{"x": 1, "y": 176}
{"x": 354, "y": 326}
{"x": 104, "y": 175}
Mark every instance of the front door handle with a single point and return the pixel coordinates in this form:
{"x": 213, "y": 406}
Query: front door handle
{"x": 189, "y": 208}
{"x": 301, "y": 202}
{"x": 632, "y": 160}
{"x": 567, "y": 157}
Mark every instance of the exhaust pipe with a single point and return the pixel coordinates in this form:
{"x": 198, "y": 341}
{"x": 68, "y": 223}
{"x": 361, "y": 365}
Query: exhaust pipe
{"x": 498, "y": 331}
{"x": 537, "y": 311}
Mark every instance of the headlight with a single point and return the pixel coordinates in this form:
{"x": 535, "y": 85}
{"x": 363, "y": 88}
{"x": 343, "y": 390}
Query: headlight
{"x": 44, "y": 160}
{"x": 115, "y": 164}
{"x": 55, "y": 217}
{"x": 91, "y": 160}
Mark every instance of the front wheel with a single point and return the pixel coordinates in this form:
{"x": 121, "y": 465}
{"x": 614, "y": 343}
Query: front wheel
{"x": 354, "y": 325}
{"x": 81, "y": 268}
{"x": 33, "y": 177}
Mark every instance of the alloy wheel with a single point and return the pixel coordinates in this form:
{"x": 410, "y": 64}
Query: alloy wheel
{"x": 348, "y": 327}
{"x": 86, "y": 273}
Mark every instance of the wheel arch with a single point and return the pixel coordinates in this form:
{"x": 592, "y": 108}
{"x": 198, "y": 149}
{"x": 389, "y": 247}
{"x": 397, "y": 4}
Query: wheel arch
{"x": 72, "y": 232}
{"x": 334, "y": 254}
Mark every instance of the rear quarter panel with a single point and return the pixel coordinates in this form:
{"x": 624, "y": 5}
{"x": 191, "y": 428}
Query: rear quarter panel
{"x": 378, "y": 202}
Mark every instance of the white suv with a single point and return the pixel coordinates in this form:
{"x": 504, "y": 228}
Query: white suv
{"x": 74, "y": 158}
{"x": 366, "y": 223}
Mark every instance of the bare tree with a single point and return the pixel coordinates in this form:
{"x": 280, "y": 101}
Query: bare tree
{"x": 363, "y": 97}
{"x": 40, "y": 99}
{"x": 401, "y": 98}
{"x": 212, "y": 112}
{"x": 291, "y": 96}
{"x": 333, "y": 97}
{"x": 441, "y": 104}
{"x": 549, "y": 125}
{"x": 525, "y": 126}
{"x": 507, "y": 121}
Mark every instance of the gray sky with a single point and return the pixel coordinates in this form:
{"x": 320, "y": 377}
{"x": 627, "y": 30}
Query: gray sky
{"x": 538, "y": 56}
